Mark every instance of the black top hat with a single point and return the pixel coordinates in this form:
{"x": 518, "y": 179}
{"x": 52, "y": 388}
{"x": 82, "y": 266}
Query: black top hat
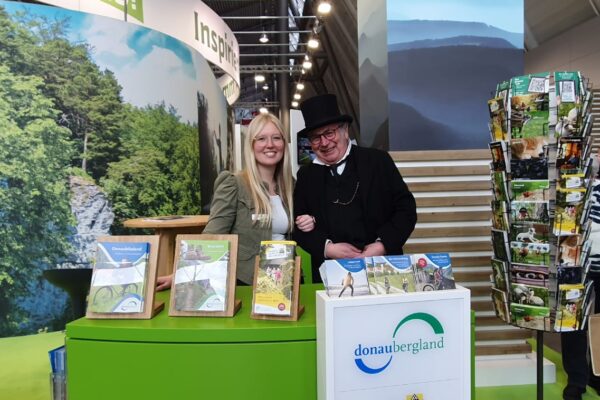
{"x": 319, "y": 111}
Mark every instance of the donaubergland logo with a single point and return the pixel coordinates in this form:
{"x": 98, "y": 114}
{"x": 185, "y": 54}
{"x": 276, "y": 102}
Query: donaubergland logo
{"x": 363, "y": 352}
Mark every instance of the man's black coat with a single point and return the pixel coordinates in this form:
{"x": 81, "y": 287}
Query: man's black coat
{"x": 390, "y": 207}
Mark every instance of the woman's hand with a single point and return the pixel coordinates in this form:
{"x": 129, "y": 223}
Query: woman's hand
{"x": 305, "y": 223}
{"x": 164, "y": 282}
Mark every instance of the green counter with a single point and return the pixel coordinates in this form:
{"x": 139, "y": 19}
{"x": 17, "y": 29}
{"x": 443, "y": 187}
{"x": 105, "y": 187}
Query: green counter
{"x": 195, "y": 357}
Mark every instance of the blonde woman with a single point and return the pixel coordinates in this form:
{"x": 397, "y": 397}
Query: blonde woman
{"x": 255, "y": 203}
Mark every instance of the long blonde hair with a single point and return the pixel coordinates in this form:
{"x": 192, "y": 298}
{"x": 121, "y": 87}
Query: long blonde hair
{"x": 283, "y": 172}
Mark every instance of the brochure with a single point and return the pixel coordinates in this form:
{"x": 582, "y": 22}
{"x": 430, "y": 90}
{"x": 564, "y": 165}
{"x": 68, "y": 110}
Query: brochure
{"x": 530, "y": 317}
{"x": 395, "y": 275}
{"x": 568, "y": 315}
{"x": 275, "y": 279}
{"x": 433, "y": 271}
{"x": 200, "y": 276}
{"x": 500, "y": 304}
{"x": 529, "y": 108}
{"x": 345, "y": 277}
{"x": 530, "y": 190}
{"x": 499, "y": 275}
{"x": 119, "y": 278}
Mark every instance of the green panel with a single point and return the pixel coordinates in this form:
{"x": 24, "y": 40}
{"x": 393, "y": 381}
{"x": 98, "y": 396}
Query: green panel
{"x": 240, "y": 328}
{"x": 100, "y": 370}
{"x": 306, "y": 264}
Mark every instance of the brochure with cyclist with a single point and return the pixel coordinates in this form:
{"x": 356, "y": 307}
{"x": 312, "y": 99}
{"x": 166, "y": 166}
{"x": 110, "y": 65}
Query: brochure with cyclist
{"x": 433, "y": 271}
{"x": 394, "y": 274}
{"x": 273, "y": 286}
{"x": 345, "y": 277}
{"x": 119, "y": 277}
{"x": 200, "y": 280}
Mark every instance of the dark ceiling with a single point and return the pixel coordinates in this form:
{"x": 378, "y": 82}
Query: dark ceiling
{"x": 335, "y": 64}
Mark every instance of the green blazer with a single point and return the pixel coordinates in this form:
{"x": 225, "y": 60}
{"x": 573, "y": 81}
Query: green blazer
{"x": 231, "y": 212}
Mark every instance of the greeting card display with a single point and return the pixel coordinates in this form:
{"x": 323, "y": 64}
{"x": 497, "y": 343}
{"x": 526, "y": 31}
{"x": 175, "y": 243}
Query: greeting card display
{"x": 541, "y": 180}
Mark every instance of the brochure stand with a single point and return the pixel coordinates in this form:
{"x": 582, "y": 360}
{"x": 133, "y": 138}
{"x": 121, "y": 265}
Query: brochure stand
{"x": 395, "y": 346}
{"x": 541, "y": 179}
{"x": 194, "y": 288}
{"x": 296, "y": 309}
{"x": 150, "y": 306}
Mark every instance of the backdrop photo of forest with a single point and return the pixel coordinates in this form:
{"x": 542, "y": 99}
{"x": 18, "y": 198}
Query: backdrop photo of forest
{"x": 100, "y": 121}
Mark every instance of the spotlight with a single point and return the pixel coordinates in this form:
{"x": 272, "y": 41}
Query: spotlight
{"x": 265, "y": 86}
{"x": 259, "y": 78}
{"x": 297, "y": 96}
{"x": 307, "y": 64}
{"x": 324, "y": 7}
{"x": 313, "y": 43}
{"x": 300, "y": 86}
{"x": 294, "y": 104}
{"x": 263, "y": 110}
{"x": 263, "y": 38}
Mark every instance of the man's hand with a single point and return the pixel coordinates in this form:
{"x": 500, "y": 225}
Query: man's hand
{"x": 305, "y": 222}
{"x": 164, "y": 282}
{"x": 374, "y": 249}
{"x": 342, "y": 250}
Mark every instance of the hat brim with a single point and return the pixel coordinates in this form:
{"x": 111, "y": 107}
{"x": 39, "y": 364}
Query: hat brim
{"x": 338, "y": 118}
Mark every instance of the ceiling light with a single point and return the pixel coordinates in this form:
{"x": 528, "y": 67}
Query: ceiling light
{"x": 304, "y": 71}
{"x": 313, "y": 43}
{"x": 259, "y": 78}
{"x": 297, "y": 96}
{"x": 263, "y": 110}
{"x": 300, "y": 86}
{"x": 294, "y": 104}
{"x": 263, "y": 38}
{"x": 307, "y": 64}
{"x": 324, "y": 7}
{"x": 266, "y": 86}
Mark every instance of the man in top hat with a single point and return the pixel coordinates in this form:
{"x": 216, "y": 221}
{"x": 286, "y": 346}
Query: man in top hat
{"x": 360, "y": 203}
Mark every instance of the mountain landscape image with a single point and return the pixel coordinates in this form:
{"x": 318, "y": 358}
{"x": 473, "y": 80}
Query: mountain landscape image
{"x": 441, "y": 74}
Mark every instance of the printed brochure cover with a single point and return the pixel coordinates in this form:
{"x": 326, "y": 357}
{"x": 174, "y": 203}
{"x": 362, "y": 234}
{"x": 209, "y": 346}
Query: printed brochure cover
{"x": 568, "y": 316}
{"x": 568, "y": 101}
{"x": 395, "y": 275}
{"x": 530, "y": 253}
{"x": 530, "y": 190}
{"x": 201, "y": 275}
{"x": 529, "y": 158}
{"x": 499, "y": 274}
{"x": 345, "y": 277}
{"x": 535, "y": 275}
{"x": 433, "y": 271}
{"x": 119, "y": 277}
{"x": 275, "y": 280}
{"x": 529, "y": 105}
{"x": 500, "y": 304}
{"x": 530, "y": 317}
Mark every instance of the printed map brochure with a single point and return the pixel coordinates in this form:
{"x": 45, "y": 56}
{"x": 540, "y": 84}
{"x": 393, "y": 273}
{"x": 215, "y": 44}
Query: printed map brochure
{"x": 395, "y": 275}
{"x": 119, "y": 277}
{"x": 200, "y": 280}
{"x": 275, "y": 279}
{"x": 345, "y": 277}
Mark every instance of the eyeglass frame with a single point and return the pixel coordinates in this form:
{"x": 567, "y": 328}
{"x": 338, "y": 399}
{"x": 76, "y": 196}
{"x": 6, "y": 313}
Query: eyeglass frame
{"x": 264, "y": 140}
{"x": 329, "y": 134}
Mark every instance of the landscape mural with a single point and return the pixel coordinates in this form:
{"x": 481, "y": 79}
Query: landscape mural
{"x": 445, "y": 58}
{"x": 100, "y": 121}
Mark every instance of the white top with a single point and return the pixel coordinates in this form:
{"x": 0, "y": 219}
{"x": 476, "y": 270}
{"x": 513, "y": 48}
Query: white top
{"x": 279, "y": 221}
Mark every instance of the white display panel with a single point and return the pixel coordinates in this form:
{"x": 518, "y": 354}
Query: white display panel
{"x": 394, "y": 346}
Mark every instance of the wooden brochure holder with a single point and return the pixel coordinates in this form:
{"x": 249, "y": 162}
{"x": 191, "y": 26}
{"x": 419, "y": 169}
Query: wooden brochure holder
{"x": 296, "y": 309}
{"x": 233, "y": 305}
{"x": 151, "y": 306}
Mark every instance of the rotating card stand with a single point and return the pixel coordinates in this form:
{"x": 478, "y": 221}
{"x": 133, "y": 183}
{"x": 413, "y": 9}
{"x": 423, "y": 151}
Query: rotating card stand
{"x": 558, "y": 225}
{"x": 296, "y": 309}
